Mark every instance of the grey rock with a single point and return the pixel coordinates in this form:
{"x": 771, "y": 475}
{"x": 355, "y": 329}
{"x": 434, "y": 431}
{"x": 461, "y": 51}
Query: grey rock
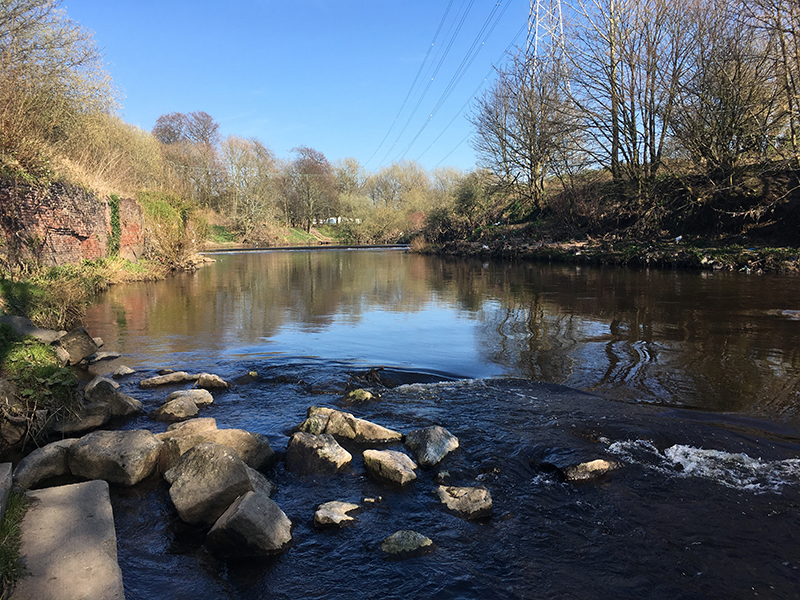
{"x": 390, "y": 465}
{"x": 122, "y": 371}
{"x": 208, "y": 380}
{"x": 206, "y": 481}
{"x": 261, "y": 485}
{"x": 106, "y": 355}
{"x": 5, "y": 486}
{"x": 346, "y": 426}
{"x": 190, "y": 427}
{"x": 469, "y": 502}
{"x": 198, "y": 396}
{"x": 62, "y": 355}
{"x": 99, "y": 341}
{"x": 253, "y": 448}
{"x": 23, "y": 326}
{"x": 407, "y": 544}
{"x": 124, "y": 457}
{"x": 307, "y": 453}
{"x": 174, "y": 377}
{"x": 179, "y": 409}
{"x": 43, "y": 464}
{"x": 334, "y": 514}
{"x": 589, "y": 470}
{"x": 360, "y": 395}
{"x": 252, "y": 526}
{"x": 90, "y": 416}
{"x": 102, "y": 389}
{"x": 430, "y": 445}
{"x": 78, "y": 344}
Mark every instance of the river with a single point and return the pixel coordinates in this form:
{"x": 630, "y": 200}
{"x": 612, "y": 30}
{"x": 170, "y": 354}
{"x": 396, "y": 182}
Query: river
{"x": 693, "y": 382}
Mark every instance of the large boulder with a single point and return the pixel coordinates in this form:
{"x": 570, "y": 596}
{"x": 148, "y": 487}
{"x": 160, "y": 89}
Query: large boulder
{"x": 78, "y": 344}
{"x": 253, "y": 448}
{"x": 102, "y": 389}
{"x": 261, "y": 485}
{"x": 334, "y": 514}
{"x": 469, "y": 502}
{"x": 44, "y": 463}
{"x": 390, "y": 465}
{"x": 345, "y": 426}
{"x": 307, "y": 453}
{"x": 190, "y": 427}
{"x": 206, "y": 481}
{"x": 252, "y": 526}
{"x": 178, "y": 409}
{"x": 198, "y": 396}
{"x": 124, "y": 457}
{"x": 430, "y": 445}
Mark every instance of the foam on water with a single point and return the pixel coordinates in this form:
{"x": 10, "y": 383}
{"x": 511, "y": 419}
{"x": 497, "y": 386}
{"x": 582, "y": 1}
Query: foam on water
{"x": 735, "y": 470}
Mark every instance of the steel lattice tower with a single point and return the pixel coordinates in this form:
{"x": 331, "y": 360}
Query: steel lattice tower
{"x": 545, "y": 30}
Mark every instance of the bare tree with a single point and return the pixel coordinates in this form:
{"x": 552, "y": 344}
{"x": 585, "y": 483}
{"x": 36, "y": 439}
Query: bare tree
{"x": 312, "y": 185}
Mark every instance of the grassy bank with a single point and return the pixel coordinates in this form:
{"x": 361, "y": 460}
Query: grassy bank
{"x": 11, "y": 567}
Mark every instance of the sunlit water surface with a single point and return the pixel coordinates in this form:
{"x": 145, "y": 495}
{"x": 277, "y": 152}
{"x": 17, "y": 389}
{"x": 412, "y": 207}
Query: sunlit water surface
{"x": 695, "y": 388}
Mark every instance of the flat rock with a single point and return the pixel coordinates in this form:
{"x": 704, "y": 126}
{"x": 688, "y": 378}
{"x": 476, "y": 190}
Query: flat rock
{"x": 105, "y": 355}
{"x": 469, "y": 502}
{"x": 252, "y": 526}
{"x": 178, "y": 409}
{"x": 69, "y": 545}
{"x": 430, "y": 445}
{"x": 407, "y": 544}
{"x": 206, "y": 481}
{"x": 190, "y": 427}
{"x": 334, "y": 514}
{"x": 44, "y": 463}
{"x": 390, "y": 465}
{"x": 199, "y": 396}
{"x": 124, "y": 457}
{"x": 307, "y": 453}
{"x": 23, "y": 326}
{"x": 346, "y": 426}
{"x": 174, "y": 377}
{"x": 589, "y": 470}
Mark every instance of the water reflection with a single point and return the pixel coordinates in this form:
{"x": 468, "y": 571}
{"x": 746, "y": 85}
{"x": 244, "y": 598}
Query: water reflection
{"x": 717, "y": 341}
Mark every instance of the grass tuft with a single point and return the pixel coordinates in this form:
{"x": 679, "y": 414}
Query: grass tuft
{"x": 12, "y": 568}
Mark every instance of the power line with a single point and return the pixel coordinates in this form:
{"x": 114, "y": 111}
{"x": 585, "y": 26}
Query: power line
{"x": 416, "y": 78}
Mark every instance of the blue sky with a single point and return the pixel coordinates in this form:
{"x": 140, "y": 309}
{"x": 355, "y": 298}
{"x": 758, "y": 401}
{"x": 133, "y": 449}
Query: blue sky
{"x": 329, "y": 74}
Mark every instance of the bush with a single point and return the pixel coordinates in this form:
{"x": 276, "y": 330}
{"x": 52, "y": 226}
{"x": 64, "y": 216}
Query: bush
{"x": 174, "y": 231}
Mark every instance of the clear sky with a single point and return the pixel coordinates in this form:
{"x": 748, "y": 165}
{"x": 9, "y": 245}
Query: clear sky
{"x": 334, "y": 75}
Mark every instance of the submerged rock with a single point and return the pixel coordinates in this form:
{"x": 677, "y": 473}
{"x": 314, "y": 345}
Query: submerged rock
{"x": 407, "y": 544}
{"x": 360, "y": 395}
{"x": 253, "y": 525}
{"x": 430, "y": 445}
{"x": 124, "y": 457}
{"x": 589, "y": 470}
{"x": 390, "y": 465}
{"x": 469, "y": 502}
{"x": 307, "y": 453}
{"x": 334, "y": 514}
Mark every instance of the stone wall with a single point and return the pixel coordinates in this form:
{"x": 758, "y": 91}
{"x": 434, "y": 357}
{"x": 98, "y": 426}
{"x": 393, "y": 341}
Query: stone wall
{"x": 62, "y": 224}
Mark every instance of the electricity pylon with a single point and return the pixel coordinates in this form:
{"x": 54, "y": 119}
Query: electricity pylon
{"x": 545, "y": 30}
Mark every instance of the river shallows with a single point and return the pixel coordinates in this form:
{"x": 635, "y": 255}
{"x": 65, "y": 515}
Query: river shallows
{"x": 699, "y": 373}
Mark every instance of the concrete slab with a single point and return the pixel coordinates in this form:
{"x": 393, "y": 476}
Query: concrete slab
{"x": 69, "y": 545}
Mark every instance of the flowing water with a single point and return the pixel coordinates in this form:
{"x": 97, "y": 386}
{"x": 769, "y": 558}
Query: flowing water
{"x": 693, "y": 384}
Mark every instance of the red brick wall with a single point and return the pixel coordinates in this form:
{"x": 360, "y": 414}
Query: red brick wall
{"x": 62, "y": 225}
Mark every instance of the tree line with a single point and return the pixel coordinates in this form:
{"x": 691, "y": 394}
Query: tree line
{"x": 639, "y": 92}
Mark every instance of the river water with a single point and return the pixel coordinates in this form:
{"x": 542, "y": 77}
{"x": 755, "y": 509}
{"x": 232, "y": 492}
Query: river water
{"x": 691, "y": 381}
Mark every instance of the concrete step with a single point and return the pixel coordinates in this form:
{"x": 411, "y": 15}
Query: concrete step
{"x": 69, "y": 545}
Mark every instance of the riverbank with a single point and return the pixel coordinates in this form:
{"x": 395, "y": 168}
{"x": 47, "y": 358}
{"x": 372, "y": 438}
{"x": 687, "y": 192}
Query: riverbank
{"x": 676, "y": 253}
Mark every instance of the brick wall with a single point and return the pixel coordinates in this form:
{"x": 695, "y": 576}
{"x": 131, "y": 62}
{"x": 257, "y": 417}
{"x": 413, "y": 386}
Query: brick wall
{"x": 63, "y": 224}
